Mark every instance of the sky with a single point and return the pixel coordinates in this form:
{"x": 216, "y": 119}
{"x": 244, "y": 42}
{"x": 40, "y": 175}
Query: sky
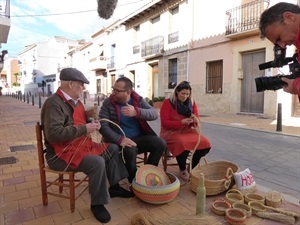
{"x": 39, "y": 20}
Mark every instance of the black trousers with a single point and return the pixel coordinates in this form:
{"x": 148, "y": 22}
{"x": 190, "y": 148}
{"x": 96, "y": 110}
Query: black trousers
{"x": 198, "y": 154}
{"x": 145, "y": 143}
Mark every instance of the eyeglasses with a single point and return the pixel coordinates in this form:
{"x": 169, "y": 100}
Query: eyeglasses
{"x": 117, "y": 91}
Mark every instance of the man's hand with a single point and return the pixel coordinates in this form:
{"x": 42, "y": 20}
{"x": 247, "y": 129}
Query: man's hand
{"x": 288, "y": 87}
{"x": 128, "y": 110}
{"x": 127, "y": 142}
{"x": 93, "y": 126}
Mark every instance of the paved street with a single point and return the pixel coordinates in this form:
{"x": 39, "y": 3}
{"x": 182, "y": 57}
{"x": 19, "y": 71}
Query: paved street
{"x": 272, "y": 157}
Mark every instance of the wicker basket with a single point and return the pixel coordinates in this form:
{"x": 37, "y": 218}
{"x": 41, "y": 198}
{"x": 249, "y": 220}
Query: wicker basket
{"x": 219, "y": 206}
{"x": 235, "y": 216}
{"x": 218, "y": 176}
{"x": 254, "y": 197}
{"x": 257, "y": 207}
{"x": 274, "y": 199}
{"x": 157, "y": 194}
{"x": 244, "y": 207}
{"x": 234, "y": 195}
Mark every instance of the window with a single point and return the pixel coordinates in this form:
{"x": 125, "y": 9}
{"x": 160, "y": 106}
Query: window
{"x": 172, "y": 73}
{"x": 214, "y": 77}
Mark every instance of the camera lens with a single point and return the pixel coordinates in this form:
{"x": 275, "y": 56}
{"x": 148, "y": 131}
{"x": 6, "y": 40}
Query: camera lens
{"x": 269, "y": 83}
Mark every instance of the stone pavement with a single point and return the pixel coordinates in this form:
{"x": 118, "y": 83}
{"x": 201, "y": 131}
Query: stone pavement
{"x": 20, "y": 194}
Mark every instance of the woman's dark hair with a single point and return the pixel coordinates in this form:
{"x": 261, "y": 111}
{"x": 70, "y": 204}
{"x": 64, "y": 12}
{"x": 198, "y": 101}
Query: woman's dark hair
{"x": 181, "y": 86}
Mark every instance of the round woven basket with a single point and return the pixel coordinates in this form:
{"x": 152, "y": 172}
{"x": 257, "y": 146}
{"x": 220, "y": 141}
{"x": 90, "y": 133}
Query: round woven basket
{"x": 219, "y": 206}
{"x": 235, "y": 216}
{"x": 257, "y": 207}
{"x": 274, "y": 199}
{"x": 218, "y": 176}
{"x": 234, "y": 195}
{"x": 244, "y": 207}
{"x": 157, "y": 194}
{"x": 254, "y": 197}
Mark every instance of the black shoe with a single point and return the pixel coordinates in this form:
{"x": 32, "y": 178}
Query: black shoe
{"x": 120, "y": 192}
{"x": 101, "y": 213}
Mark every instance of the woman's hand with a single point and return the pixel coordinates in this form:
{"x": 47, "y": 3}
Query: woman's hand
{"x": 187, "y": 121}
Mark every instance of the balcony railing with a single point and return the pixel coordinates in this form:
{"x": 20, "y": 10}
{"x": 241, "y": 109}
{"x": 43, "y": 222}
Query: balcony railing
{"x": 111, "y": 63}
{"x": 245, "y": 17}
{"x": 153, "y": 46}
{"x": 98, "y": 62}
{"x": 174, "y": 37}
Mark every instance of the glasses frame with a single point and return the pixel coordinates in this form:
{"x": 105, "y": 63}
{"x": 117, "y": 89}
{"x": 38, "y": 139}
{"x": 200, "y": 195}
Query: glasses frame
{"x": 117, "y": 91}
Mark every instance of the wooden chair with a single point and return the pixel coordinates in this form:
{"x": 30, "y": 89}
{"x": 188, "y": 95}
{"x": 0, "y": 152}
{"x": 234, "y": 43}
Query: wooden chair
{"x": 47, "y": 183}
{"x": 167, "y": 160}
{"x": 141, "y": 160}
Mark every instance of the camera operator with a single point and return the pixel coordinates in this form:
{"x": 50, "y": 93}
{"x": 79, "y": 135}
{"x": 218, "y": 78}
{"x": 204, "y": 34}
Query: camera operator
{"x": 280, "y": 24}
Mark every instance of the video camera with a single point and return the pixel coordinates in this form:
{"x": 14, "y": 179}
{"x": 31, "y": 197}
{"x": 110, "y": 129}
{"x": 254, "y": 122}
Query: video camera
{"x": 274, "y": 83}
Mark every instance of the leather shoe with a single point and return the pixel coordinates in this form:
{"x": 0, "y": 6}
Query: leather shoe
{"x": 120, "y": 192}
{"x": 101, "y": 213}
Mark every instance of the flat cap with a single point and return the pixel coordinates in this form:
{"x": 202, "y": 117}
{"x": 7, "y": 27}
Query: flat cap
{"x": 72, "y": 74}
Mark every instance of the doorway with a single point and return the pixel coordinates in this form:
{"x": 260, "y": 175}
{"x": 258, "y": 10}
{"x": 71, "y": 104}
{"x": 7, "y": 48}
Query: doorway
{"x": 251, "y": 100}
{"x": 155, "y": 81}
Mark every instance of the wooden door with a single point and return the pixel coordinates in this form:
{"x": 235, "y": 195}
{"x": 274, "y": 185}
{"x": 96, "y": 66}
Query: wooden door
{"x": 251, "y": 100}
{"x": 155, "y": 81}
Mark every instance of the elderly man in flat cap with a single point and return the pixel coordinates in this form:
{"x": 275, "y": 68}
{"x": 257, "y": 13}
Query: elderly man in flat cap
{"x": 69, "y": 146}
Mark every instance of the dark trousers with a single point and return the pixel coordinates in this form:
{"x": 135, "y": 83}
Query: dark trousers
{"x": 98, "y": 168}
{"x": 198, "y": 154}
{"x": 145, "y": 143}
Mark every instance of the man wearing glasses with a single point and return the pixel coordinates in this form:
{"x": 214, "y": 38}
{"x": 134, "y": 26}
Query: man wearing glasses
{"x": 130, "y": 112}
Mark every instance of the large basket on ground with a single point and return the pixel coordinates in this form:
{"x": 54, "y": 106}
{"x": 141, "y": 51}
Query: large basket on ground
{"x": 155, "y": 186}
{"x": 218, "y": 176}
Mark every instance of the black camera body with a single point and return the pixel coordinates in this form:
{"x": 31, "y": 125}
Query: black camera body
{"x": 274, "y": 83}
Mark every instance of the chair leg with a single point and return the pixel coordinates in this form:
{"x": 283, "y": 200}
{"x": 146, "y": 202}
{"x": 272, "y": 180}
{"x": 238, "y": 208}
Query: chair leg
{"x": 72, "y": 192}
{"x": 145, "y": 157}
{"x": 44, "y": 187}
{"x": 61, "y": 182}
{"x": 165, "y": 158}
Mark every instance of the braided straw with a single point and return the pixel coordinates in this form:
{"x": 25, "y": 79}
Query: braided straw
{"x": 235, "y": 216}
{"x": 244, "y": 207}
{"x": 274, "y": 199}
{"x": 234, "y": 195}
{"x": 254, "y": 197}
{"x": 153, "y": 219}
{"x": 219, "y": 206}
{"x": 277, "y": 217}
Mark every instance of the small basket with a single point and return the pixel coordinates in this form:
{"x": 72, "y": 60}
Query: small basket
{"x": 234, "y": 195}
{"x": 254, "y": 197}
{"x": 244, "y": 207}
{"x": 235, "y": 216}
{"x": 256, "y": 207}
{"x": 274, "y": 199}
{"x": 219, "y": 206}
{"x": 218, "y": 176}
